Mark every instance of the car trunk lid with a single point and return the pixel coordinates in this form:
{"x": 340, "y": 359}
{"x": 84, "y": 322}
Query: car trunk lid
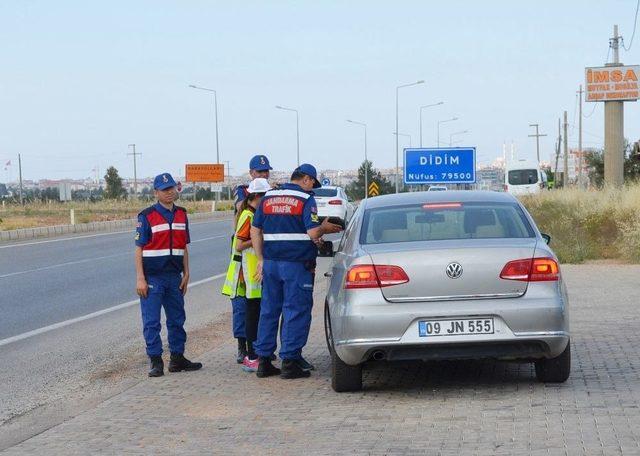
{"x": 453, "y": 270}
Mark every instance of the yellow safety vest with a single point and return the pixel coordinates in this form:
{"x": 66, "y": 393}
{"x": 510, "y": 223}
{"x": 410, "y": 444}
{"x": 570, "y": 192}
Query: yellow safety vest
{"x": 243, "y": 264}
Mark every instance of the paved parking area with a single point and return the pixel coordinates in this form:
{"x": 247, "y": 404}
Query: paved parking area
{"x": 406, "y": 408}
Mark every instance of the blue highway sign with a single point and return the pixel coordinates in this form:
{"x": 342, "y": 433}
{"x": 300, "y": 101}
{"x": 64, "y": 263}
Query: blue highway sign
{"x": 443, "y": 165}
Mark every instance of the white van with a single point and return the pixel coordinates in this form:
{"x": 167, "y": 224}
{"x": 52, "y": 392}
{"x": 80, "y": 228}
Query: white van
{"x": 524, "y": 177}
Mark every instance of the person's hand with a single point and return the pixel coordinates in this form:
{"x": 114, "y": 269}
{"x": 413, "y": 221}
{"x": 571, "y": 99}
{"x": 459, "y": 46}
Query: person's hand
{"x": 142, "y": 288}
{"x": 330, "y": 228}
{"x": 258, "y": 275}
{"x": 318, "y": 242}
{"x": 184, "y": 283}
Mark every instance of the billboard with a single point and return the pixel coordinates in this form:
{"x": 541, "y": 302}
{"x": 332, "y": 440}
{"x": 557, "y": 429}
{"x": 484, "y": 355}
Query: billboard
{"x": 612, "y": 83}
{"x": 206, "y": 172}
{"x": 445, "y": 165}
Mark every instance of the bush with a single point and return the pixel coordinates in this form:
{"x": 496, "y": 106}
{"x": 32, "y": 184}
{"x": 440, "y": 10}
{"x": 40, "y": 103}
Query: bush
{"x": 589, "y": 224}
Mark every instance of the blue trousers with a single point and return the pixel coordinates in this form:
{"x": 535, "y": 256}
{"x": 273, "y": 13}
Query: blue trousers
{"x": 239, "y": 307}
{"x": 164, "y": 292}
{"x": 287, "y": 289}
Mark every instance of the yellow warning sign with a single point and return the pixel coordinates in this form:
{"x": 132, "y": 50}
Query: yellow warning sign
{"x": 374, "y": 190}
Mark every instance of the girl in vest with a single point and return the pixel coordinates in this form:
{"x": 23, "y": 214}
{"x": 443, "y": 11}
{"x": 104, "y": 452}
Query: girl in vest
{"x": 240, "y": 279}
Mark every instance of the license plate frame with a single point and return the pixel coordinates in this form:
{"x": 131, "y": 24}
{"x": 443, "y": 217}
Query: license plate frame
{"x": 456, "y": 327}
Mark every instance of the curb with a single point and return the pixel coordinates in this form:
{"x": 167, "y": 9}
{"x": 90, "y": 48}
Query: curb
{"x": 113, "y": 225}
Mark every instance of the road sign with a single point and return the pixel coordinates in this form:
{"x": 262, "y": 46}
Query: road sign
{"x": 326, "y": 181}
{"x": 374, "y": 190}
{"x": 216, "y": 188}
{"x": 205, "y": 172}
{"x": 445, "y": 165}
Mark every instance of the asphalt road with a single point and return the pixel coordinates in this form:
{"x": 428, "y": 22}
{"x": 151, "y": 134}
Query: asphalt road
{"x": 53, "y": 280}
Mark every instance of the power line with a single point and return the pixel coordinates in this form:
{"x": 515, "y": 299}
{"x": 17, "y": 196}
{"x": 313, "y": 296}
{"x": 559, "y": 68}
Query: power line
{"x": 595, "y": 105}
{"x": 635, "y": 23}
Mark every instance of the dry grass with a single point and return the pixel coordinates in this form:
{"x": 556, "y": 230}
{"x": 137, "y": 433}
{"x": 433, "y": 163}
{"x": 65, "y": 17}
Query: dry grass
{"x": 589, "y": 224}
{"x": 55, "y": 213}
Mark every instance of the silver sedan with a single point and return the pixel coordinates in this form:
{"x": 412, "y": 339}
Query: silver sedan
{"x": 445, "y": 275}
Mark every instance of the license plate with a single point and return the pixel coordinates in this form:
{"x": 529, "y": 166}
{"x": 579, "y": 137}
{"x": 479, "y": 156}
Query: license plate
{"x": 462, "y": 327}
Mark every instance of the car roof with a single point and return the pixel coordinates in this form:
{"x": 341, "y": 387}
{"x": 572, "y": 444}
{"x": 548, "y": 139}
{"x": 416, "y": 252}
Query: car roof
{"x": 331, "y": 187}
{"x": 451, "y": 196}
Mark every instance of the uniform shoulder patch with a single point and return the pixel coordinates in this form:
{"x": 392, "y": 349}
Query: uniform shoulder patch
{"x": 137, "y": 238}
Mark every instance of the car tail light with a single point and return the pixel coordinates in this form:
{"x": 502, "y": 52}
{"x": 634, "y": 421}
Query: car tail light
{"x": 531, "y": 270}
{"x": 335, "y": 202}
{"x": 375, "y": 276}
{"x": 441, "y": 206}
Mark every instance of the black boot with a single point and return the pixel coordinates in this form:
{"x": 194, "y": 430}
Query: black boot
{"x": 266, "y": 369}
{"x": 157, "y": 366}
{"x": 242, "y": 350}
{"x": 291, "y": 369}
{"x": 179, "y": 363}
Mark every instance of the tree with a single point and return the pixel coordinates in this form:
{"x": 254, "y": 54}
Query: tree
{"x": 595, "y": 159}
{"x": 355, "y": 190}
{"x": 114, "y": 189}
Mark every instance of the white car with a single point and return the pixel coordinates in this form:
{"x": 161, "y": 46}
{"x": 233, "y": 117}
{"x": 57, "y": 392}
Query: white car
{"x": 333, "y": 202}
{"x": 437, "y": 188}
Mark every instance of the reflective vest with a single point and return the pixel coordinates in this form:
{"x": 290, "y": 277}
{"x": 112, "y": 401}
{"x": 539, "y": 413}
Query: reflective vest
{"x": 243, "y": 266}
{"x": 165, "y": 250}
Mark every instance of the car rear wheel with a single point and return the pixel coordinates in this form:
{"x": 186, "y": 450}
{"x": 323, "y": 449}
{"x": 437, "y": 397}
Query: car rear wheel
{"x": 555, "y": 370}
{"x": 344, "y": 378}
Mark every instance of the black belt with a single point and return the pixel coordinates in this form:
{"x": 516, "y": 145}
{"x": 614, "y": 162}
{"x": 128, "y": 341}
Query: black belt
{"x": 237, "y": 258}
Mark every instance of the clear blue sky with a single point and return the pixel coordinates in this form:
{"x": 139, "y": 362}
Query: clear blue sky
{"x": 80, "y": 80}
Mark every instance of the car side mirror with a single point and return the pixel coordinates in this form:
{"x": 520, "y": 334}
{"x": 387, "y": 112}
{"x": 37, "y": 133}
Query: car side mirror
{"x": 546, "y": 238}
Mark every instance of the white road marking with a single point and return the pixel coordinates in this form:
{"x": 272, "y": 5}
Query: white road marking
{"x": 62, "y": 324}
{"x": 72, "y": 238}
{"x": 87, "y": 260}
{"x": 53, "y": 266}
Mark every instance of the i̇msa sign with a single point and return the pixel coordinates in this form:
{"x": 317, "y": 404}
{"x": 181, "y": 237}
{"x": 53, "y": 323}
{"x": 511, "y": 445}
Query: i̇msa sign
{"x": 448, "y": 165}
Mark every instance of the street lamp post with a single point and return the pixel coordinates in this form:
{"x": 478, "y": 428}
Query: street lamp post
{"x": 297, "y": 131}
{"x": 215, "y": 103}
{"x": 366, "y": 160}
{"x": 406, "y": 136}
{"x": 455, "y": 134}
{"x": 441, "y": 122}
{"x": 397, "y": 165}
{"x": 421, "y": 108}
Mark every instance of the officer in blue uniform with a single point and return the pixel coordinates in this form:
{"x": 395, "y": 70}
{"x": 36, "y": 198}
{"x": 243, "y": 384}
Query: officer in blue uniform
{"x": 162, "y": 270}
{"x": 258, "y": 167}
{"x": 285, "y": 233}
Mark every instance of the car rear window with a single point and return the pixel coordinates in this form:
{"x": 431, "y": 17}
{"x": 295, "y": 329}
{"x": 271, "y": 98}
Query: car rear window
{"x": 325, "y": 192}
{"x": 523, "y": 177}
{"x": 445, "y": 221}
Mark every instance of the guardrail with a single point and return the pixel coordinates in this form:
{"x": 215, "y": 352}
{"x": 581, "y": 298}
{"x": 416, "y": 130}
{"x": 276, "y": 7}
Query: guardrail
{"x": 113, "y": 225}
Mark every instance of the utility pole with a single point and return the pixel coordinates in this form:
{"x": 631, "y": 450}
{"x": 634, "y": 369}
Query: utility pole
{"x": 20, "y": 174}
{"x": 558, "y": 143}
{"x": 565, "y": 175}
{"x": 135, "y": 169}
{"x": 580, "y": 92}
{"x": 228, "y": 177}
{"x": 537, "y": 136}
{"x": 614, "y": 127}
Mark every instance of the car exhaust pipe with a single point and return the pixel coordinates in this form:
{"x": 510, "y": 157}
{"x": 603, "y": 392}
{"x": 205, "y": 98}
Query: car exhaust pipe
{"x": 378, "y": 355}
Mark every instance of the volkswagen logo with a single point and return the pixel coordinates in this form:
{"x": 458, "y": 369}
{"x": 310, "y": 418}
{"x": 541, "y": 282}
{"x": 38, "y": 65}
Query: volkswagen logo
{"x": 454, "y": 270}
